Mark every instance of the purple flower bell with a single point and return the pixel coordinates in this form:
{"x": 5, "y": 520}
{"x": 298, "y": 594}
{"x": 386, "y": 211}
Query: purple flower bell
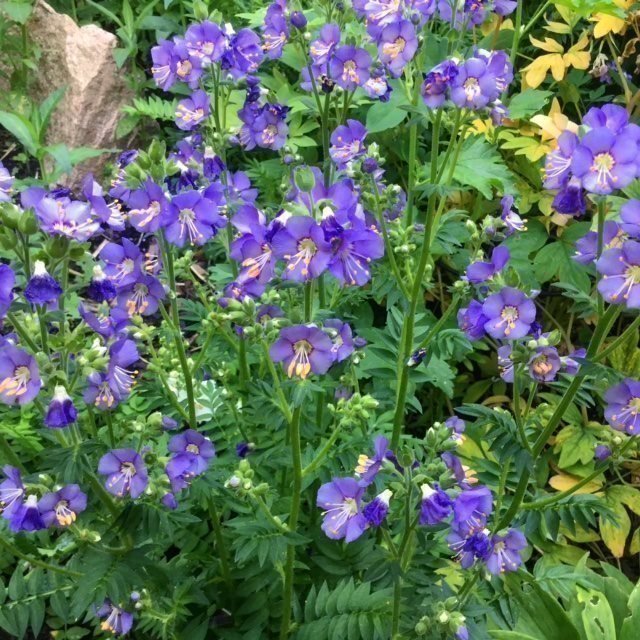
{"x": 26, "y": 517}
{"x": 509, "y": 314}
{"x": 544, "y": 364}
{"x": 472, "y": 320}
{"x": 505, "y": 552}
{"x": 42, "y": 288}
{"x": 191, "y": 111}
{"x": 376, "y": 511}
{"x": 471, "y": 509}
{"x": 19, "y": 375}
{"x": 101, "y": 288}
{"x": 435, "y": 506}
{"x": 479, "y": 272}
{"x": 623, "y": 407}
{"x": 349, "y": 67}
{"x": 61, "y": 412}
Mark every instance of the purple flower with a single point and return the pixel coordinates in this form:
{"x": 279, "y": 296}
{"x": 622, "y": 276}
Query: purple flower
{"x": 381, "y": 12}
{"x": 190, "y": 112}
{"x": 244, "y": 53}
{"x": 7, "y": 283}
{"x": 342, "y": 337}
{"x": 12, "y": 491}
{"x": 42, "y": 288}
{"x": 505, "y": 363}
{"x": 64, "y": 217}
{"x": 479, "y": 272}
{"x": 471, "y": 320}
{"x": 544, "y": 364}
{"x": 101, "y": 288}
{"x": 513, "y": 222}
{"x": 457, "y": 425}
{"x": 253, "y": 248}
{"x": 438, "y": 82}
{"x": 303, "y": 349}
{"x": 354, "y": 249}
{"x": 397, "y": 44}
{"x": 26, "y": 517}
{"x": 476, "y": 84}
{"x": 264, "y": 126}
{"x": 340, "y": 500}
{"x": 620, "y": 269}
{"x": 61, "y": 412}
{"x": 368, "y": 468}
{"x": 19, "y": 375}
{"x": 275, "y": 31}
{"x": 123, "y": 263}
{"x": 347, "y": 143}
{"x": 142, "y": 296}
{"x": 192, "y": 453}
{"x": 105, "y": 323}
{"x": 570, "y": 199}
{"x": 62, "y": 507}
{"x": 376, "y": 511}
{"x": 605, "y": 161}
{"x": 164, "y": 64}
{"x": 612, "y": 116}
{"x": 206, "y": 41}
{"x": 602, "y": 452}
{"x": 468, "y": 549}
{"x": 147, "y": 206}
{"x": 243, "y": 449}
{"x": 188, "y": 68}
{"x": 471, "y": 509}
{"x": 505, "y": 552}
{"x": 193, "y": 218}
{"x": 302, "y": 244}
{"x": 570, "y": 364}
{"x": 169, "y": 501}
{"x": 6, "y": 184}
{"x": 623, "y": 406}
{"x": 416, "y": 358}
{"x": 504, "y": 7}
{"x": 116, "y": 620}
{"x": 125, "y": 472}
{"x": 509, "y": 314}
{"x": 322, "y": 49}
{"x": 435, "y": 507}
{"x": 630, "y": 216}
{"x": 587, "y": 246}
{"x": 557, "y": 168}
{"x": 349, "y": 67}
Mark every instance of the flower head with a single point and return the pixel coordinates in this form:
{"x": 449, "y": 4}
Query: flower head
{"x": 190, "y": 112}
{"x": 6, "y": 184}
{"x": 62, "y": 507}
{"x": 376, "y": 511}
{"x": 435, "y": 506}
{"x": 544, "y": 364}
{"x": 347, "y": 143}
{"x": 125, "y": 472}
{"x": 505, "y": 552}
{"x": 116, "y": 620}
{"x": 19, "y": 375}
{"x": 620, "y": 270}
{"x": 623, "y": 406}
{"x": 480, "y": 271}
{"x": 7, "y": 283}
{"x": 509, "y": 314}
{"x": 42, "y": 288}
{"x": 340, "y": 500}
{"x": 349, "y": 67}
{"x": 369, "y": 467}
{"x": 61, "y": 412}
{"x": 12, "y": 491}
{"x": 303, "y": 349}
{"x": 471, "y": 509}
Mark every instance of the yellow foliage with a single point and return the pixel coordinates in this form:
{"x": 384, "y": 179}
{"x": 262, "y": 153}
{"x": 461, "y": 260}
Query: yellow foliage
{"x": 557, "y": 60}
{"x": 606, "y": 24}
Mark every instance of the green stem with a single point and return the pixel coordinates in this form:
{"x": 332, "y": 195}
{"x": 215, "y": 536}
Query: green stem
{"x": 44, "y": 336}
{"x": 433, "y": 332}
{"x": 409, "y": 324}
{"x": 308, "y": 301}
{"x": 602, "y": 213}
{"x": 296, "y": 463}
{"x": 267, "y": 512}
{"x": 221, "y": 547}
{"x": 413, "y": 151}
{"x": 13, "y": 550}
{"x": 24, "y": 336}
{"x": 282, "y": 399}
{"x": 177, "y": 335}
{"x": 321, "y": 455}
{"x": 109, "y": 420}
{"x": 517, "y": 33}
{"x": 517, "y": 412}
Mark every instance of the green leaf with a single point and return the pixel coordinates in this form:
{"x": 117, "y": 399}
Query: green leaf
{"x": 386, "y": 115}
{"x": 510, "y": 635}
{"x": 18, "y": 11}
{"x": 597, "y": 616}
{"x": 46, "y": 109}
{"x": 22, "y": 129}
{"x": 615, "y": 533}
{"x": 528, "y": 103}
{"x": 586, "y": 8}
{"x": 481, "y": 167}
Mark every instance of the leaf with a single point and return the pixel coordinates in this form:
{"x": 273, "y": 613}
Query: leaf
{"x": 555, "y": 260}
{"x": 527, "y": 103}
{"x": 564, "y": 482}
{"x": 22, "y": 129}
{"x": 480, "y": 166}
{"x": 510, "y": 635}
{"x": 17, "y": 11}
{"x": 614, "y": 533}
{"x": 384, "y": 115}
{"x": 597, "y": 616}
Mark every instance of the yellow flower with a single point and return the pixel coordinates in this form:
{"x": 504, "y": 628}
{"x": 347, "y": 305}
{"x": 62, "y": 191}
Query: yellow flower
{"x": 557, "y": 60}
{"x": 606, "y": 24}
{"x": 554, "y": 123}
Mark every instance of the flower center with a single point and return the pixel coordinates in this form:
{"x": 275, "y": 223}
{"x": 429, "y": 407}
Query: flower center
{"x": 188, "y": 226}
{"x": 541, "y": 366}
{"x": 350, "y": 71}
{"x": 509, "y": 315}
{"x": 193, "y": 448}
{"x": 137, "y": 302}
{"x": 307, "y": 248}
{"x": 270, "y": 133}
{"x": 64, "y": 515}
{"x": 395, "y": 48}
{"x": 300, "y": 364}
{"x": 472, "y": 88}
{"x": 17, "y": 384}
{"x": 184, "y": 68}
{"x": 128, "y": 469}
{"x": 603, "y": 165}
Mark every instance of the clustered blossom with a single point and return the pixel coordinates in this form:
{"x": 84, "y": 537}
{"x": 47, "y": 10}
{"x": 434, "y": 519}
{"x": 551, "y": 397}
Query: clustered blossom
{"x": 25, "y": 512}
{"x": 476, "y": 83}
{"x": 600, "y": 159}
{"x": 125, "y": 473}
{"x": 191, "y": 456}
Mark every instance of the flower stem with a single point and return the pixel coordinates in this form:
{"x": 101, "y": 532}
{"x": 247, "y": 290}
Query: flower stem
{"x": 221, "y": 547}
{"x": 282, "y": 400}
{"x": 177, "y": 335}
{"x": 321, "y": 455}
{"x": 13, "y": 550}
{"x": 17, "y": 325}
{"x": 296, "y": 463}
{"x": 602, "y": 214}
{"x": 308, "y": 301}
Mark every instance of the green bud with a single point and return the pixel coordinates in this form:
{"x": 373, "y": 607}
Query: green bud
{"x": 8, "y": 238}
{"x": 200, "y": 11}
{"x": 27, "y": 223}
{"x": 57, "y": 246}
{"x": 10, "y": 215}
{"x": 304, "y": 179}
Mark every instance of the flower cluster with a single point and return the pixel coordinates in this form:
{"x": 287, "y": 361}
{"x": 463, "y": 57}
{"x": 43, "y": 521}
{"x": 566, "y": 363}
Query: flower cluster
{"x": 25, "y": 512}
{"x": 599, "y": 159}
